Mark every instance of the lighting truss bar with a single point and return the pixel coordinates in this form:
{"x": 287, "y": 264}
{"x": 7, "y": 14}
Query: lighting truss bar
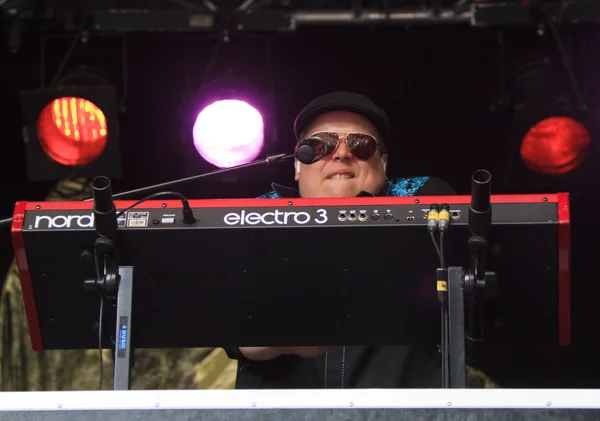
{"x": 368, "y": 17}
{"x": 509, "y": 13}
{"x": 277, "y": 19}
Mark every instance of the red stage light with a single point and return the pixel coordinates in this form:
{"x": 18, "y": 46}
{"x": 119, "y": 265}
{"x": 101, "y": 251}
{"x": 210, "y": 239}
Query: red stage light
{"x": 72, "y": 131}
{"x": 556, "y": 145}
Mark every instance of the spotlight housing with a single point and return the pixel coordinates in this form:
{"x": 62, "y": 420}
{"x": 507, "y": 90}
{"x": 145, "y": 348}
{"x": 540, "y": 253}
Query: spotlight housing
{"x": 225, "y": 123}
{"x": 71, "y": 131}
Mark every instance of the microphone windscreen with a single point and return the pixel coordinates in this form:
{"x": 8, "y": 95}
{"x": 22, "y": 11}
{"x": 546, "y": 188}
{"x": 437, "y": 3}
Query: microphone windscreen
{"x": 305, "y": 154}
{"x": 311, "y": 150}
{"x": 102, "y": 193}
{"x": 105, "y": 215}
{"x": 481, "y": 190}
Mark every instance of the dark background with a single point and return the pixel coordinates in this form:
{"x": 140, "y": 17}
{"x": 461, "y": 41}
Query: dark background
{"x": 443, "y": 86}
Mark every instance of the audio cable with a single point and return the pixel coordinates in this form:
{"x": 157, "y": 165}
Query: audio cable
{"x": 100, "y": 352}
{"x": 188, "y": 214}
{"x": 100, "y": 318}
{"x": 442, "y": 293}
{"x": 433, "y": 217}
{"x": 438, "y": 220}
{"x": 443, "y": 224}
{"x": 187, "y": 218}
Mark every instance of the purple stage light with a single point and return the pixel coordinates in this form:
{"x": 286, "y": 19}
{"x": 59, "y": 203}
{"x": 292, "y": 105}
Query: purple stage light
{"x": 228, "y": 133}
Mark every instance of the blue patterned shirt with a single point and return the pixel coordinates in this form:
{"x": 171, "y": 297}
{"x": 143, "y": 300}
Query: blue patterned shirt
{"x": 392, "y": 187}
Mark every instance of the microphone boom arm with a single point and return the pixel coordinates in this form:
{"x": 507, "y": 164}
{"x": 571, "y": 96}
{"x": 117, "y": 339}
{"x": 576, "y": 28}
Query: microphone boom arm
{"x": 269, "y": 160}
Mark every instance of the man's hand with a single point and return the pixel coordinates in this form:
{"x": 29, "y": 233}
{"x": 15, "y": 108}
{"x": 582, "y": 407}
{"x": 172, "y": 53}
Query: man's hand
{"x": 262, "y": 353}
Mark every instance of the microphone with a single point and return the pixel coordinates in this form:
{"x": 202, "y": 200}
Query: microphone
{"x": 479, "y": 284}
{"x": 105, "y": 213}
{"x": 99, "y": 193}
{"x": 480, "y": 209}
{"x": 311, "y": 150}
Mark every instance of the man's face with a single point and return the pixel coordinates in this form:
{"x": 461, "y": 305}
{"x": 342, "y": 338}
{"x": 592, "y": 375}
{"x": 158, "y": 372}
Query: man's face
{"x": 319, "y": 180}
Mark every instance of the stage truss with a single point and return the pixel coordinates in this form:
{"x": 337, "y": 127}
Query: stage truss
{"x": 283, "y": 15}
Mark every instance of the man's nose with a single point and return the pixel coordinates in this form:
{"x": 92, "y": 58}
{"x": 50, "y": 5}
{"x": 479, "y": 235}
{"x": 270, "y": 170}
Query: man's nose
{"x": 342, "y": 152}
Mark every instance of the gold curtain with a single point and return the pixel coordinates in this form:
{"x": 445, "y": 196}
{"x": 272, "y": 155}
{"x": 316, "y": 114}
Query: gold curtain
{"x": 22, "y": 369}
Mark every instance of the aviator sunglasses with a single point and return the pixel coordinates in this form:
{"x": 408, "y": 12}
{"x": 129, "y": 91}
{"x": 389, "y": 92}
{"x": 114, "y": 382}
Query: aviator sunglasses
{"x": 362, "y": 146}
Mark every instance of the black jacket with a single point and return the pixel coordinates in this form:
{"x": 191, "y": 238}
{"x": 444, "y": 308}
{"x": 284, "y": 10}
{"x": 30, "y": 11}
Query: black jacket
{"x": 354, "y": 366}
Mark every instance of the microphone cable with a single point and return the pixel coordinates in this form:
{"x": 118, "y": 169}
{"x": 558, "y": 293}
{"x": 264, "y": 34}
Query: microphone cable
{"x": 442, "y": 289}
{"x": 188, "y": 218}
{"x": 438, "y": 220}
{"x": 188, "y": 213}
{"x": 100, "y": 318}
{"x": 433, "y": 218}
{"x": 269, "y": 160}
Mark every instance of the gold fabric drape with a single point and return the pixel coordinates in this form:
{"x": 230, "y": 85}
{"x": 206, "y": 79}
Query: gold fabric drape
{"x": 22, "y": 369}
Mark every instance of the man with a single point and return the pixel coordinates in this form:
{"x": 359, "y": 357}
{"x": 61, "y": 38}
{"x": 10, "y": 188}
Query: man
{"x": 354, "y": 131}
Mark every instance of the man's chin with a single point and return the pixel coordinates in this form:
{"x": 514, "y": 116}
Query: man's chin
{"x": 340, "y": 191}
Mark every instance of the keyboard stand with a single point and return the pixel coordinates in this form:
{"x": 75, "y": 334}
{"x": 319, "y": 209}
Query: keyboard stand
{"x": 457, "y": 332}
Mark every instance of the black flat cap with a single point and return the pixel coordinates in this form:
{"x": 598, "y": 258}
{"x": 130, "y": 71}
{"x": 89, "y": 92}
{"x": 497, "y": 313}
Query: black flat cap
{"x": 344, "y": 101}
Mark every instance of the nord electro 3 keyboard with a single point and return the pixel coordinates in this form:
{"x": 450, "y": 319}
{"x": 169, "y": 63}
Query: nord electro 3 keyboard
{"x": 354, "y": 271}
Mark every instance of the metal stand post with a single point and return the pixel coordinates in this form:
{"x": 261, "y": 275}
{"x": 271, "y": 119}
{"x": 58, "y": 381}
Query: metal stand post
{"x": 123, "y": 351}
{"x": 457, "y": 328}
